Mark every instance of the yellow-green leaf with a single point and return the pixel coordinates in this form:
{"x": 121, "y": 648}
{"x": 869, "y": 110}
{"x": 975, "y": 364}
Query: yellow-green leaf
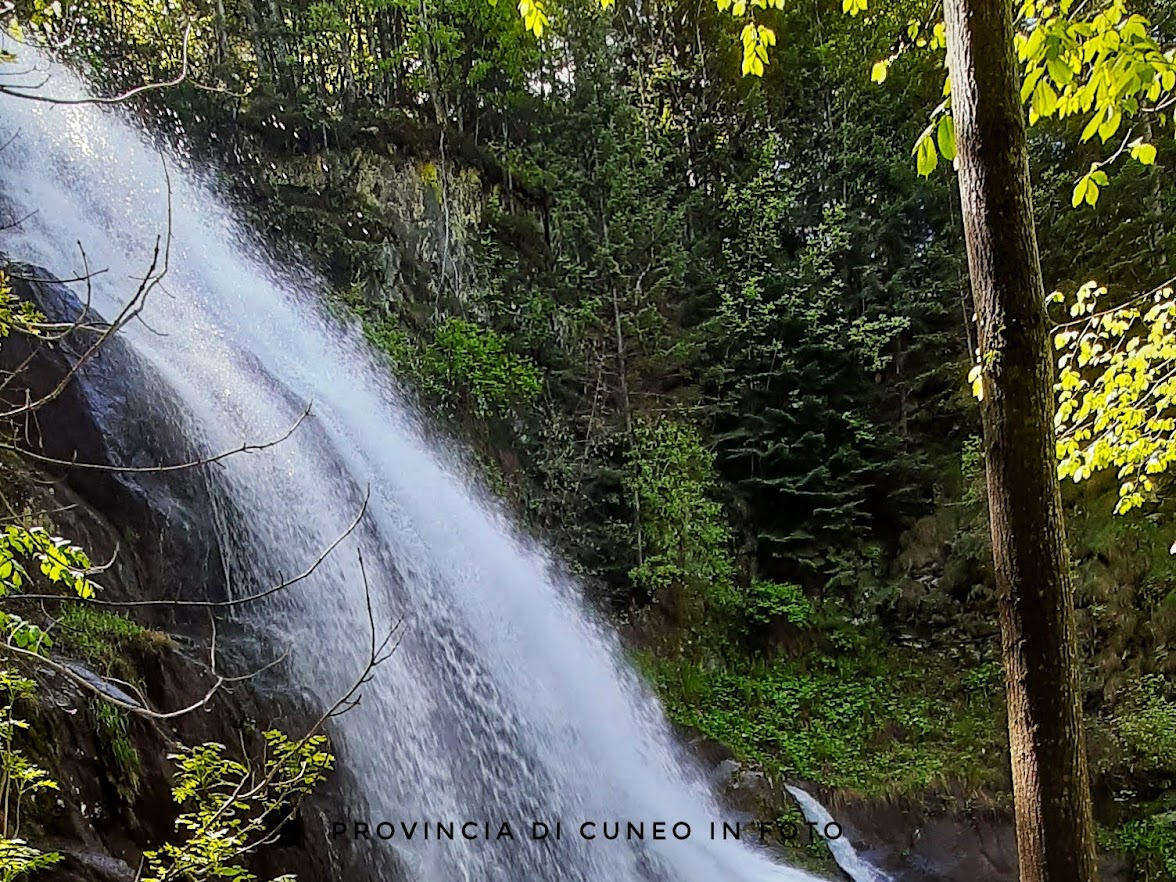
{"x": 1145, "y": 153}
{"x": 926, "y": 158}
{"x": 1111, "y": 124}
{"x": 945, "y": 137}
{"x": 1091, "y": 127}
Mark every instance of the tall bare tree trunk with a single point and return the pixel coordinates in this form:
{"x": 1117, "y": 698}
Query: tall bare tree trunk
{"x": 283, "y": 60}
{"x": 1051, "y": 788}
{"x": 221, "y": 28}
{"x": 346, "y": 68}
{"x": 261, "y": 48}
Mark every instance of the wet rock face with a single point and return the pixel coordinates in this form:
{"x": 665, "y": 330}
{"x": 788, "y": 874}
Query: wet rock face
{"x": 913, "y": 843}
{"x": 383, "y": 219}
{"x": 158, "y": 531}
{"x": 101, "y": 832}
{"x": 110, "y": 414}
{"x": 913, "y": 847}
{"x": 89, "y": 866}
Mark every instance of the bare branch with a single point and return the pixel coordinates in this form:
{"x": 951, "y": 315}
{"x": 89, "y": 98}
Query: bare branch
{"x": 213, "y": 604}
{"x": 242, "y": 677}
{"x": 45, "y": 512}
{"x": 78, "y": 680}
{"x": 131, "y": 310}
{"x": 171, "y": 467}
{"x": 378, "y": 653}
{"x": 82, "y": 278}
{"x": 17, "y": 223}
{"x": 23, "y": 91}
{"x": 8, "y": 143}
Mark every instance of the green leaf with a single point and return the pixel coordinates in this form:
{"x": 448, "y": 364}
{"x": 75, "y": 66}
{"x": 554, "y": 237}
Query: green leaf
{"x": 925, "y": 156}
{"x": 945, "y": 137}
{"x": 1061, "y": 72}
{"x": 1145, "y": 153}
{"x": 1091, "y": 127}
{"x": 881, "y": 69}
{"x": 1111, "y": 124}
{"x": 1045, "y": 99}
{"x": 1030, "y": 83}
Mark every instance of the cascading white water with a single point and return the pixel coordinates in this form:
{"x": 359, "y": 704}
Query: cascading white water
{"x": 507, "y": 700}
{"x": 851, "y": 863}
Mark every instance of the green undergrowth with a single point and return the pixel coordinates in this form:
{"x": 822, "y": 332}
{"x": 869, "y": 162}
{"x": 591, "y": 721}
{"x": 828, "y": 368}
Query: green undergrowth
{"x": 114, "y": 646}
{"x": 882, "y": 722}
{"x": 1150, "y": 843}
{"x": 106, "y": 641}
{"x": 463, "y": 365}
{"x": 112, "y": 725}
{"x": 1135, "y": 750}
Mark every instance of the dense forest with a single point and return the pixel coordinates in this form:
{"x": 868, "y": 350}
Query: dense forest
{"x": 707, "y": 334}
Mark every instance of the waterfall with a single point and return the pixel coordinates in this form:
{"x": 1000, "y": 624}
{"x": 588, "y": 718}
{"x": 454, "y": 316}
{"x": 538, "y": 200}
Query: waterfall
{"x": 847, "y": 858}
{"x": 507, "y": 699}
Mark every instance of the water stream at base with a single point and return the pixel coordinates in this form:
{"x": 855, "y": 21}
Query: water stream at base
{"x": 847, "y": 858}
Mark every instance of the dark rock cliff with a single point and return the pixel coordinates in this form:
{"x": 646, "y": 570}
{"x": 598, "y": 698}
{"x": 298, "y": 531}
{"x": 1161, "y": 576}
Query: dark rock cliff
{"x": 110, "y": 414}
{"x": 156, "y": 529}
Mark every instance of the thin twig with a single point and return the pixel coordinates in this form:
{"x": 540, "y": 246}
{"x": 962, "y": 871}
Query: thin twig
{"x": 214, "y": 604}
{"x": 17, "y": 91}
{"x": 247, "y": 447}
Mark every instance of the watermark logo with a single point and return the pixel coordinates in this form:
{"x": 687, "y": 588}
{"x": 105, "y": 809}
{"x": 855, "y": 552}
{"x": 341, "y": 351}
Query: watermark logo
{"x": 372, "y": 830}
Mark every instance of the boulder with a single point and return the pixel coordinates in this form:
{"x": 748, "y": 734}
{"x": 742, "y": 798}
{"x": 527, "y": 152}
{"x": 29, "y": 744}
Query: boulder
{"x": 914, "y": 842}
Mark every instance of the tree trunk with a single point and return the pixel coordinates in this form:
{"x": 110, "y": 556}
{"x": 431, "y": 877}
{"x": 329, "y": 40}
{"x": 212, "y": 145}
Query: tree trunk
{"x": 222, "y": 36}
{"x": 346, "y": 70}
{"x": 1051, "y": 788}
{"x": 261, "y": 47}
{"x": 287, "y": 81}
